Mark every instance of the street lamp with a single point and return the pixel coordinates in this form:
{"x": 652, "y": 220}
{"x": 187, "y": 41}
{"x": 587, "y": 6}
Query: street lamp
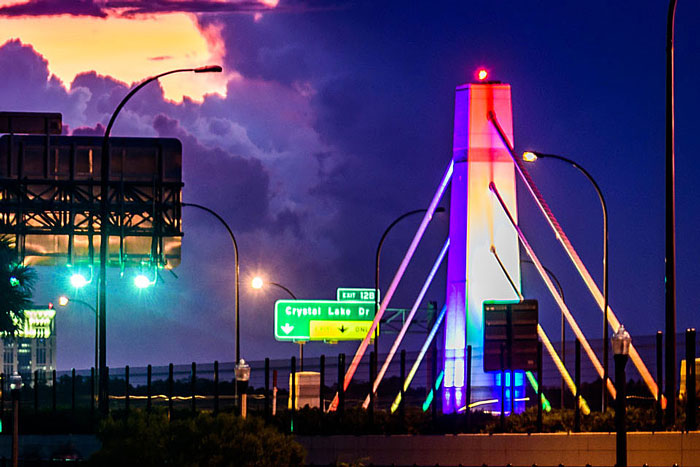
{"x": 258, "y": 283}
{"x": 376, "y": 267}
{"x": 531, "y": 156}
{"x": 242, "y": 372}
{"x": 104, "y": 227}
{"x": 236, "y": 280}
{"x": 64, "y": 301}
{"x": 621, "y": 341}
{"x": 78, "y": 281}
{"x": 142, "y": 281}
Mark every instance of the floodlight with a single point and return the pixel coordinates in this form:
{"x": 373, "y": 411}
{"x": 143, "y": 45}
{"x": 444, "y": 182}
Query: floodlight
{"x": 142, "y": 281}
{"x": 78, "y": 281}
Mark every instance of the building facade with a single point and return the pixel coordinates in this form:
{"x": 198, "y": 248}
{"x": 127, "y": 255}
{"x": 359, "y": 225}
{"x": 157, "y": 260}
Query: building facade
{"x": 32, "y": 349}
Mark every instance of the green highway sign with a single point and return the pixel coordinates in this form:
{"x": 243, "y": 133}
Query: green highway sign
{"x": 333, "y": 320}
{"x": 346, "y": 294}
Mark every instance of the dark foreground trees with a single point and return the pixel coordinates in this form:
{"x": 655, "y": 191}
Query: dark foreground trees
{"x": 16, "y": 286}
{"x": 204, "y": 439}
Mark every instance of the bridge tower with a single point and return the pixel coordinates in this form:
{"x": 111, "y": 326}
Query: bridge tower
{"x": 476, "y": 224}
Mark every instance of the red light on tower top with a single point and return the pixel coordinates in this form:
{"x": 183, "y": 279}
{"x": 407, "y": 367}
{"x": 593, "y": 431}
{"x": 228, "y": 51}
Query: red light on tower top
{"x": 482, "y": 74}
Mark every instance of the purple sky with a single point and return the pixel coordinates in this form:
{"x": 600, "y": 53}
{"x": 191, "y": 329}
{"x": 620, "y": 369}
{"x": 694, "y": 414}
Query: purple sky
{"x": 342, "y": 120}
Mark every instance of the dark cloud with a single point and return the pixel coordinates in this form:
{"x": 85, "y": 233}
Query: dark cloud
{"x": 266, "y": 49}
{"x": 23, "y": 68}
{"x": 98, "y": 130}
{"x": 28, "y": 85}
{"x": 54, "y": 7}
{"x": 139, "y": 7}
{"x": 105, "y": 94}
{"x": 132, "y": 8}
{"x": 129, "y": 8}
{"x": 288, "y": 220}
{"x": 241, "y": 186}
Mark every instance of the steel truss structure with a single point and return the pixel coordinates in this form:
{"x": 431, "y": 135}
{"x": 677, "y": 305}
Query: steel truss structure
{"x": 421, "y": 324}
{"x": 50, "y": 199}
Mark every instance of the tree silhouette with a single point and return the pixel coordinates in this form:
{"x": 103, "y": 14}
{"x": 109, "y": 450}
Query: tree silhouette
{"x": 16, "y": 287}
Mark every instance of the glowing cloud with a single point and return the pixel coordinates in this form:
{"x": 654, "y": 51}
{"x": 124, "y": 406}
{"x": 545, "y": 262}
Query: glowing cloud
{"x": 128, "y": 49}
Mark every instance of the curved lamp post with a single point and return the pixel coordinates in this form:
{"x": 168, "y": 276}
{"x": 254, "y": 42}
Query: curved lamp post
{"x": 236, "y": 280}
{"x": 258, "y": 283}
{"x": 376, "y": 266}
{"x": 531, "y": 156}
{"x": 104, "y": 226}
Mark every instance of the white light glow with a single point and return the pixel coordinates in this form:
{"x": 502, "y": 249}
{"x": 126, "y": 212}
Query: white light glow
{"x": 141, "y": 281}
{"x": 78, "y": 281}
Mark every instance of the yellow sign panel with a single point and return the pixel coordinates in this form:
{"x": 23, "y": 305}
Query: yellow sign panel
{"x": 339, "y": 330}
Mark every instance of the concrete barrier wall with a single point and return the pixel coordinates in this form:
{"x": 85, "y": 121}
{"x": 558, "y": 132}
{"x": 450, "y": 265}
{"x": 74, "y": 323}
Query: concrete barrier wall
{"x": 545, "y": 449}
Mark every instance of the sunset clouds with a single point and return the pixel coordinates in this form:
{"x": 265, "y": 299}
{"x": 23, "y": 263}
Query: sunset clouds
{"x": 127, "y": 49}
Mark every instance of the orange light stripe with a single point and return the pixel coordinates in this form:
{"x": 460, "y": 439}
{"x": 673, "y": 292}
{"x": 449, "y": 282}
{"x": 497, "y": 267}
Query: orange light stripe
{"x": 550, "y": 285}
{"x": 578, "y": 264}
{"x": 583, "y": 405}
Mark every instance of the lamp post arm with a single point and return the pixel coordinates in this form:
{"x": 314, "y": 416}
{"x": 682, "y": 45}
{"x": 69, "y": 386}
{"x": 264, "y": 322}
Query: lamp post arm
{"x": 551, "y": 275}
{"x": 376, "y": 263}
{"x": 223, "y": 222}
{"x": 587, "y": 175}
{"x": 134, "y": 91}
{"x": 237, "y": 273}
{"x": 283, "y": 288}
{"x": 604, "y": 206}
{"x": 376, "y": 267}
{"x": 386, "y": 232}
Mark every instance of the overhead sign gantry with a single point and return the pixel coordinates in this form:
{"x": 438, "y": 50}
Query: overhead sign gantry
{"x": 50, "y": 197}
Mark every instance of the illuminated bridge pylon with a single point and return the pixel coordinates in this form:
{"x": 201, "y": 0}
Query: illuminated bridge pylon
{"x": 482, "y": 157}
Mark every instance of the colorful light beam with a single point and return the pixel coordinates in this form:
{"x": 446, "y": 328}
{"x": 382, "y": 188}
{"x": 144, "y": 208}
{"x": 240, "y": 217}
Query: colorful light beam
{"x": 548, "y": 345}
{"x": 546, "y": 406}
{"x": 571, "y": 252}
{"x": 550, "y": 285}
{"x": 408, "y": 321}
{"x": 431, "y": 396}
{"x": 395, "y": 281}
{"x": 419, "y": 360}
{"x": 583, "y": 405}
